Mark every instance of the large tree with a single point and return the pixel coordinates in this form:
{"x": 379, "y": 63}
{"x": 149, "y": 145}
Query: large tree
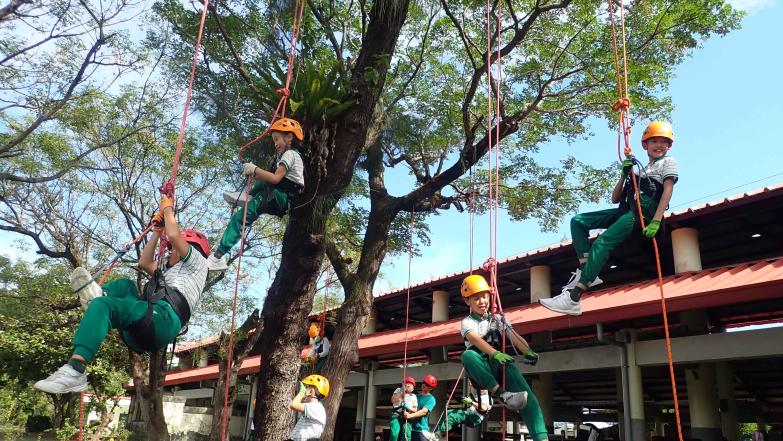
{"x": 392, "y": 84}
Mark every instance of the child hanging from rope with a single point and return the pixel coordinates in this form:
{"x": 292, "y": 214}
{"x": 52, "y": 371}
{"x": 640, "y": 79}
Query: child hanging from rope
{"x": 485, "y": 362}
{"x": 472, "y": 414}
{"x": 656, "y": 184}
{"x": 312, "y": 390}
{"x": 403, "y": 400}
{"x": 419, "y": 420}
{"x": 319, "y": 351}
{"x": 272, "y": 191}
{"x": 145, "y": 324}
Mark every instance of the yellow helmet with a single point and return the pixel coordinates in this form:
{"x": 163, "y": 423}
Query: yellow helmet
{"x": 658, "y": 128}
{"x": 474, "y": 284}
{"x": 320, "y": 383}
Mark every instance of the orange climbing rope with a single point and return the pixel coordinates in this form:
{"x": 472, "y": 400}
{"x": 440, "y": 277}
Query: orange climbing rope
{"x": 279, "y": 113}
{"x": 623, "y": 105}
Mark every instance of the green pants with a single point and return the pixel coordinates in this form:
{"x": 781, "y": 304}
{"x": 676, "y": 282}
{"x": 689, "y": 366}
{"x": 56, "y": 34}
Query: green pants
{"x": 263, "y": 199}
{"x": 118, "y": 309}
{"x": 488, "y": 373}
{"x": 395, "y": 423}
{"x": 457, "y": 417}
{"x": 618, "y": 229}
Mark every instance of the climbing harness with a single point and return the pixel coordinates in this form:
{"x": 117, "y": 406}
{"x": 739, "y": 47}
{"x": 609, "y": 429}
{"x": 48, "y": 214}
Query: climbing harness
{"x": 622, "y": 105}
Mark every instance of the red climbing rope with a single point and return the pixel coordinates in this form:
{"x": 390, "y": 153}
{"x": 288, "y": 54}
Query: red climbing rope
{"x": 623, "y": 105}
{"x": 279, "y": 113}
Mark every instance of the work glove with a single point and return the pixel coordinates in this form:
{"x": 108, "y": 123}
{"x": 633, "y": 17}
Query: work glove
{"x": 530, "y": 357}
{"x": 651, "y": 229}
{"x": 302, "y": 389}
{"x": 467, "y": 401}
{"x": 627, "y": 165}
{"x": 249, "y": 169}
{"x": 158, "y": 223}
{"x": 165, "y": 202}
{"x": 502, "y": 357}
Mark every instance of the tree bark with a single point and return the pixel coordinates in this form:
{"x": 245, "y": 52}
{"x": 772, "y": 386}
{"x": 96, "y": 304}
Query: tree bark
{"x": 149, "y": 394}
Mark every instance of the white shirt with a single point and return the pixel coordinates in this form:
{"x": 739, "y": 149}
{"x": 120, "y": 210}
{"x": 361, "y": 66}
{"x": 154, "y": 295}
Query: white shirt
{"x": 411, "y": 403}
{"x": 324, "y": 344}
{"x": 189, "y": 276}
{"x": 292, "y": 161}
{"x": 312, "y": 423}
{"x": 660, "y": 169}
{"x": 480, "y": 326}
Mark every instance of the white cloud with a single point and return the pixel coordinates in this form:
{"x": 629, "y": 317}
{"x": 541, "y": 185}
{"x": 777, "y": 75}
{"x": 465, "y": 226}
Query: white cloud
{"x": 751, "y": 6}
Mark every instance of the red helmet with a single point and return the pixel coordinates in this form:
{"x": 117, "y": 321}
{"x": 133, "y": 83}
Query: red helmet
{"x": 198, "y": 240}
{"x": 431, "y": 381}
{"x": 410, "y": 380}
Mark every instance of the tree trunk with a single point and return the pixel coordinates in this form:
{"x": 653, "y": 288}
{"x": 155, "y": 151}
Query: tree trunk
{"x": 149, "y": 394}
{"x": 63, "y": 409}
{"x": 332, "y": 154}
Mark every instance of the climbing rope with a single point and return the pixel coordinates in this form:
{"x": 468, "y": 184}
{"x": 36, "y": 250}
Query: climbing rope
{"x": 279, "y": 113}
{"x": 622, "y": 106}
{"x": 407, "y": 322}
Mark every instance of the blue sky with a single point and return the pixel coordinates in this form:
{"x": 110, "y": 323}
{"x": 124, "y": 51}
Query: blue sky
{"x": 727, "y": 117}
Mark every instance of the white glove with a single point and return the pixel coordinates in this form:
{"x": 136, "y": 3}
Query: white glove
{"x": 249, "y": 169}
{"x": 82, "y": 283}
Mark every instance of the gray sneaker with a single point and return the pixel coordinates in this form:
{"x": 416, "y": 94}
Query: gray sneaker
{"x": 513, "y": 400}
{"x": 575, "y": 279}
{"x": 235, "y": 198}
{"x": 562, "y": 303}
{"x": 62, "y": 381}
{"x": 216, "y": 264}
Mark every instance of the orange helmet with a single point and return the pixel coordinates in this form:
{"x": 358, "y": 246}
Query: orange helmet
{"x": 288, "y": 125}
{"x": 313, "y": 331}
{"x": 658, "y": 128}
{"x": 474, "y": 284}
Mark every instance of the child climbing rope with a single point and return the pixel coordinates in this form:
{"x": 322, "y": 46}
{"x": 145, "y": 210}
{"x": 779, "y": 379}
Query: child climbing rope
{"x": 485, "y": 361}
{"x": 403, "y": 400}
{"x": 145, "y": 324}
{"x": 656, "y": 184}
{"x": 319, "y": 352}
{"x": 472, "y": 414}
{"x": 312, "y": 390}
{"x": 419, "y": 420}
{"x": 272, "y": 191}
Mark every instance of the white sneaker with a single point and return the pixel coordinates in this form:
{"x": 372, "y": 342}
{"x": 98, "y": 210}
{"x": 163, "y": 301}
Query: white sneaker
{"x": 513, "y": 400}
{"x": 235, "y": 198}
{"x": 575, "y": 279}
{"x": 82, "y": 284}
{"x": 562, "y": 303}
{"x": 63, "y": 381}
{"x": 216, "y": 263}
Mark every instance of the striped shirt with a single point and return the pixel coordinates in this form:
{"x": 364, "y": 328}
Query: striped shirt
{"x": 189, "y": 276}
{"x": 480, "y": 325}
{"x": 660, "y": 169}
{"x": 312, "y": 423}
{"x": 292, "y": 161}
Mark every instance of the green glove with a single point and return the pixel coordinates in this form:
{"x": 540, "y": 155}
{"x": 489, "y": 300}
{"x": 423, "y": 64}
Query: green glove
{"x": 467, "y": 401}
{"x": 651, "y": 229}
{"x": 530, "y": 357}
{"x": 302, "y": 389}
{"x": 627, "y": 165}
{"x": 501, "y": 357}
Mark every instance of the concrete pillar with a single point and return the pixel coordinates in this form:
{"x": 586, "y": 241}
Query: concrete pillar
{"x": 542, "y": 388}
{"x": 703, "y": 402}
{"x": 371, "y": 401}
{"x": 685, "y": 248}
{"x": 618, "y": 378}
{"x": 540, "y": 283}
{"x": 659, "y": 426}
{"x": 372, "y": 319}
{"x": 726, "y": 401}
{"x": 440, "y": 306}
{"x": 359, "y": 409}
{"x": 203, "y": 360}
{"x": 635, "y": 389}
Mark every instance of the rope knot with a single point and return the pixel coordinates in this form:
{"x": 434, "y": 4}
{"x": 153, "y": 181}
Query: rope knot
{"x": 621, "y": 104}
{"x": 167, "y": 189}
{"x": 489, "y": 264}
{"x": 284, "y": 91}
